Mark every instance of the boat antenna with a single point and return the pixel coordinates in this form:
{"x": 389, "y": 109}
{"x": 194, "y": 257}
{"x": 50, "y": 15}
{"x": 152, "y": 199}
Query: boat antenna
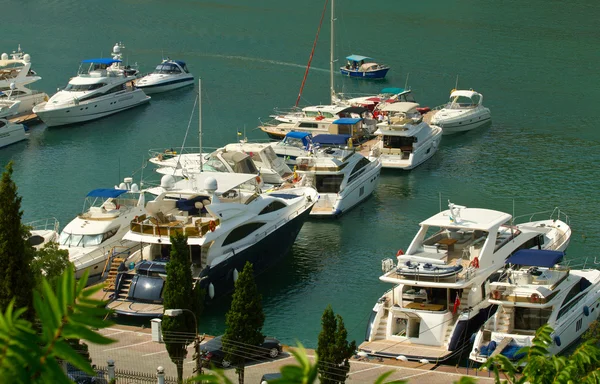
{"x": 311, "y": 54}
{"x": 406, "y": 82}
{"x": 332, "y": 47}
{"x": 456, "y": 84}
{"x": 440, "y": 193}
{"x": 200, "y": 119}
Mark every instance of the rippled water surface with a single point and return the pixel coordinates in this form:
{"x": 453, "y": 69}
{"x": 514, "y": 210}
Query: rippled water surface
{"x": 534, "y": 62}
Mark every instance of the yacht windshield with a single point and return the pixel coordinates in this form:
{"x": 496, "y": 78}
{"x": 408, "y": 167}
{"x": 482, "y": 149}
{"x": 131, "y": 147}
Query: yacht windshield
{"x": 83, "y": 87}
{"x": 73, "y": 240}
{"x": 167, "y": 68}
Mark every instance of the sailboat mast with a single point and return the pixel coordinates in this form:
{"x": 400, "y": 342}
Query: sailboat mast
{"x": 331, "y": 48}
{"x": 200, "y": 120}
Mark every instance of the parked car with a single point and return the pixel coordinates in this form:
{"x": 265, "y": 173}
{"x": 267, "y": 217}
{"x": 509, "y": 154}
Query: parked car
{"x": 213, "y": 351}
{"x": 267, "y": 377}
{"x": 80, "y": 377}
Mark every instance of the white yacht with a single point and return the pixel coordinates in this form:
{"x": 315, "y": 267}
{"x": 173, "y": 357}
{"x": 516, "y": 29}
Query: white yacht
{"x": 98, "y": 231}
{"x": 10, "y": 133}
{"x": 531, "y": 291}
{"x": 438, "y": 298}
{"x": 344, "y": 120}
{"x": 342, "y": 176}
{"x": 464, "y": 111}
{"x": 293, "y": 145}
{"x": 377, "y": 102}
{"x": 404, "y": 140}
{"x": 102, "y": 87}
{"x": 254, "y": 158}
{"x": 227, "y": 222}
{"x": 15, "y": 75}
{"x": 168, "y": 75}
{"x": 42, "y": 232}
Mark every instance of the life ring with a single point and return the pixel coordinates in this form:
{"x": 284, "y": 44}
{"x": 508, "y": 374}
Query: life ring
{"x": 212, "y": 225}
{"x": 534, "y": 298}
{"x": 475, "y": 262}
{"x": 399, "y": 253}
{"x": 496, "y": 295}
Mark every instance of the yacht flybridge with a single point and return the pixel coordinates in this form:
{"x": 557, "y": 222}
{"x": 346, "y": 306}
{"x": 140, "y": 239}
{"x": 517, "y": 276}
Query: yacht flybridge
{"x": 439, "y": 294}
{"x": 102, "y": 87}
{"x": 227, "y": 221}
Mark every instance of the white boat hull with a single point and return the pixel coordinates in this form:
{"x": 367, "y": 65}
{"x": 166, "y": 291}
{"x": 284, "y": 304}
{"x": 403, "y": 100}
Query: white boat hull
{"x": 417, "y": 157}
{"x": 11, "y": 133}
{"x": 164, "y": 86}
{"x": 29, "y": 101}
{"x": 90, "y": 110}
{"x": 455, "y": 123}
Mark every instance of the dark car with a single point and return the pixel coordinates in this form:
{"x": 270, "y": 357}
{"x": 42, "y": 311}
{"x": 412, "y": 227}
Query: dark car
{"x": 213, "y": 351}
{"x": 269, "y": 377}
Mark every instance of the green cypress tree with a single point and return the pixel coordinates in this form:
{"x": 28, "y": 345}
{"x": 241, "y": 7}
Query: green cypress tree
{"x": 244, "y": 320}
{"x": 333, "y": 349}
{"x": 16, "y": 276}
{"x": 179, "y": 331}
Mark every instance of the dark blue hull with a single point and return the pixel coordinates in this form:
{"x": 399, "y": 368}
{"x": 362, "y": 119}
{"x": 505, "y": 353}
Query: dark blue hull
{"x": 262, "y": 255}
{"x": 378, "y": 74}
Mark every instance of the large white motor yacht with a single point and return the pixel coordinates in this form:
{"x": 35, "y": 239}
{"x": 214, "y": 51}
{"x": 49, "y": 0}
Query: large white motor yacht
{"x": 464, "y": 111}
{"x": 342, "y": 176}
{"x": 531, "y": 291}
{"x": 168, "y": 75}
{"x": 10, "y": 133}
{"x": 439, "y": 295}
{"x": 98, "y": 231}
{"x": 227, "y": 221}
{"x": 15, "y": 75}
{"x": 404, "y": 140}
{"x": 102, "y": 87}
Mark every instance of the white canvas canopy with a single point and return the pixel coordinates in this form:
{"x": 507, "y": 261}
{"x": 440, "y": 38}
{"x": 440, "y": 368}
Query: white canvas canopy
{"x": 402, "y": 107}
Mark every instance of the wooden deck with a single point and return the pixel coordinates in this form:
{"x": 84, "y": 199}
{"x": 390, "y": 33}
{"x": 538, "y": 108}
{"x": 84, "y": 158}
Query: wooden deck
{"x": 135, "y": 308}
{"x": 23, "y": 119}
{"x": 406, "y": 348}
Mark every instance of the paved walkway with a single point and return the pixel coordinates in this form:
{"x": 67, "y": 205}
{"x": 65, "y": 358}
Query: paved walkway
{"x": 134, "y": 350}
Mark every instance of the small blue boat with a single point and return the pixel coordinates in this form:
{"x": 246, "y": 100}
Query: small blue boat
{"x": 364, "y": 67}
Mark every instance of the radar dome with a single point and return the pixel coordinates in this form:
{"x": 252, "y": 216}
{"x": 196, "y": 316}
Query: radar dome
{"x": 4, "y": 56}
{"x": 117, "y": 48}
{"x": 210, "y": 184}
{"x": 27, "y": 58}
{"x": 167, "y": 182}
{"x": 135, "y": 188}
{"x": 122, "y": 186}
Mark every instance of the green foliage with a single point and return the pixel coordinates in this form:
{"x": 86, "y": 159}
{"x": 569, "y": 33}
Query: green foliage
{"x": 593, "y": 332}
{"x": 179, "y": 331}
{"x": 49, "y": 262}
{"x": 333, "y": 348}
{"x": 244, "y": 320}
{"x": 16, "y": 277}
{"x": 539, "y": 367}
{"x": 66, "y": 312}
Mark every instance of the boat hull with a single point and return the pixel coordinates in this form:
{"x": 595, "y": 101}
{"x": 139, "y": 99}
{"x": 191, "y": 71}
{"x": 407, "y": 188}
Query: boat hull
{"x": 11, "y": 133}
{"x": 262, "y": 255}
{"x": 91, "y": 110}
{"x": 461, "y": 123}
{"x": 378, "y": 74}
{"x": 165, "y": 86}
{"x": 424, "y": 152}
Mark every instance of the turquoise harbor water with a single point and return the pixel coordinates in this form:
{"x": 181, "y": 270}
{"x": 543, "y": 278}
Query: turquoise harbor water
{"x": 535, "y": 63}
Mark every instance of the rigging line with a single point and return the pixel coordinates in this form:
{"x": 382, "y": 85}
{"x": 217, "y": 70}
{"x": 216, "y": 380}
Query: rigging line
{"x": 186, "y": 135}
{"x": 312, "y": 52}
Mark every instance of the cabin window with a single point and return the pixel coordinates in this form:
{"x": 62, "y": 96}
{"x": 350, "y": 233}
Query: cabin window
{"x": 272, "y": 207}
{"x": 294, "y": 142}
{"x": 74, "y": 240}
{"x": 568, "y": 303}
{"x": 530, "y": 319}
{"x": 308, "y": 125}
{"x": 109, "y": 234}
{"x": 241, "y": 232}
{"x": 407, "y": 98}
{"x": 329, "y": 183}
{"x": 2, "y": 123}
{"x": 83, "y": 87}
{"x": 270, "y": 154}
{"x": 398, "y": 141}
{"x": 357, "y": 171}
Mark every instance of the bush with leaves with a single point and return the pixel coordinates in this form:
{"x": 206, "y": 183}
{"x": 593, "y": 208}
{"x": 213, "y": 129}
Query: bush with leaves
{"x": 49, "y": 262}
{"x": 66, "y": 312}
{"x": 333, "y": 349}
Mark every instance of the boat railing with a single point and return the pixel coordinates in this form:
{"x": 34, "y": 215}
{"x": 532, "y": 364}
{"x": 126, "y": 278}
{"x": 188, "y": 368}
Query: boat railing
{"x": 118, "y": 251}
{"x": 50, "y": 223}
{"x": 555, "y": 214}
{"x": 152, "y": 226}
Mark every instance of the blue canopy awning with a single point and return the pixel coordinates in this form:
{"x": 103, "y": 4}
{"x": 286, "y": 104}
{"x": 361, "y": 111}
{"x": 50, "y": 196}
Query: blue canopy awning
{"x": 358, "y": 58}
{"x": 297, "y": 135}
{"x": 180, "y": 62}
{"x": 101, "y": 61}
{"x": 326, "y": 139}
{"x": 347, "y": 120}
{"x": 106, "y": 192}
{"x": 536, "y": 258}
{"x": 395, "y": 91}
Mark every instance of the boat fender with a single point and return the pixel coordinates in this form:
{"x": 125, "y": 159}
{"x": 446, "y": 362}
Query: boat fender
{"x": 399, "y": 253}
{"x": 557, "y": 340}
{"x": 496, "y": 295}
{"x": 475, "y": 262}
{"x": 235, "y": 275}
{"x": 211, "y": 290}
{"x": 534, "y": 298}
{"x": 586, "y": 310}
{"x": 212, "y": 225}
